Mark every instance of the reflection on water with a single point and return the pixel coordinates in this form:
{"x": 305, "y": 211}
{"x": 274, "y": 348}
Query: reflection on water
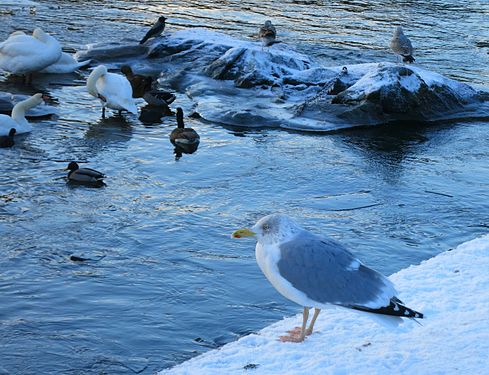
{"x": 179, "y": 150}
{"x": 164, "y": 281}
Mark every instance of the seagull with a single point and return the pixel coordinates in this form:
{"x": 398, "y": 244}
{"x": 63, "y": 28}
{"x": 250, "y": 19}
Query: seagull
{"x": 86, "y": 176}
{"x": 267, "y": 34}
{"x": 155, "y": 30}
{"x": 316, "y": 271}
{"x": 401, "y": 45}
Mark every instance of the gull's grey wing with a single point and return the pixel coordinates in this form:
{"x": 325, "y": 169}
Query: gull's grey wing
{"x": 328, "y": 273}
{"x": 405, "y": 45}
{"x": 91, "y": 172}
{"x": 402, "y": 45}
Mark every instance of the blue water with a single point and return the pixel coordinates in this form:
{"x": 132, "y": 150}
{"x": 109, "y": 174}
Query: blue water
{"x": 166, "y": 281}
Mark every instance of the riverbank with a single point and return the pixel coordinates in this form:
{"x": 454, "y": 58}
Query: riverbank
{"x": 451, "y": 289}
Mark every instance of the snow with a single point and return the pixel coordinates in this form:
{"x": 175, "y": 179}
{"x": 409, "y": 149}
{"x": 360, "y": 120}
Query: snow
{"x": 451, "y": 289}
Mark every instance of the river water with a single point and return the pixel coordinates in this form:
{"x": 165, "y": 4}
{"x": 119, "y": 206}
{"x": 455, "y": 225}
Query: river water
{"x": 166, "y": 282}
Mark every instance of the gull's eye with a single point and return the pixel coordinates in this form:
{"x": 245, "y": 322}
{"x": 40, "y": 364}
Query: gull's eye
{"x": 266, "y": 227}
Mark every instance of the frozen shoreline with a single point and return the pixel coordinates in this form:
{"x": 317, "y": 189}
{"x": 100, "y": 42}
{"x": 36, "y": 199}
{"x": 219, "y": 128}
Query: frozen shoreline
{"x": 451, "y": 289}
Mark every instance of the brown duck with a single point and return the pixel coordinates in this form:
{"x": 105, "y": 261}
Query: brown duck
{"x": 142, "y": 88}
{"x": 140, "y": 84}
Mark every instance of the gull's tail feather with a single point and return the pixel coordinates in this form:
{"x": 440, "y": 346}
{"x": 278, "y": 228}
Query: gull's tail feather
{"x": 395, "y": 308}
{"x": 408, "y": 59}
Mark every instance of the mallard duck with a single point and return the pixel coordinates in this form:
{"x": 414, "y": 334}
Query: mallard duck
{"x": 84, "y": 175}
{"x": 7, "y": 140}
{"x": 182, "y": 135}
{"x": 25, "y": 54}
{"x": 402, "y": 46}
{"x": 267, "y": 34}
{"x": 155, "y": 30}
{"x": 113, "y": 90}
{"x": 18, "y": 120}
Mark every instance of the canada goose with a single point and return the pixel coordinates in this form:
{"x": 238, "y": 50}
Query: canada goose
{"x": 182, "y": 135}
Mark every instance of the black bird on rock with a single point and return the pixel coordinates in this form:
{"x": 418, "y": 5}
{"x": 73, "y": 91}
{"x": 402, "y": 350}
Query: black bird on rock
{"x": 155, "y": 30}
{"x": 7, "y": 140}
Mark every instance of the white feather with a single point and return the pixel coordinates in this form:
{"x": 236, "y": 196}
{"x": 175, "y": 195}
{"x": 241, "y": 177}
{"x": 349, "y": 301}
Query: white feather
{"x": 114, "y": 88}
{"x": 18, "y": 120}
{"x": 23, "y": 54}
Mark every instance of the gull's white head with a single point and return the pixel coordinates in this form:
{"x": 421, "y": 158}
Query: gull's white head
{"x": 398, "y": 31}
{"x": 271, "y": 229}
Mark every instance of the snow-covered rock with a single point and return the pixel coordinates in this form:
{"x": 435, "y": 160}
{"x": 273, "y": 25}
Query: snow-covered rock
{"x": 451, "y": 289}
{"x": 407, "y": 93}
{"x": 249, "y": 66}
{"x": 239, "y": 82}
{"x": 103, "y": 52}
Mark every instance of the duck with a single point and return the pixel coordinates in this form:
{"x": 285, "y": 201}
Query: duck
{"x": 17, "y": 120}
{"x": 65, "y": 64}
{"x": 25, "y": 54}
{"x": 155, "y": 30}
{"x": 142, "y": 88}
{"x": 7, "y": 140}
{"x": 159, "y": 98}
{"x": 113, "y": 90}
{"x": 140, "y": 83}
{"x": 267, "y": 34}
{"x": 182, "y": 135}
{"x": 84, "y": 175}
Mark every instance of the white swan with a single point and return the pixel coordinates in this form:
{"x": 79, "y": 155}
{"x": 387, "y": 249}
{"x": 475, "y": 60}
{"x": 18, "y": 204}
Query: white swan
{"x": 18, "y": 120}
{"x": 25, "y": 54}
{"x": 113, "y": 90}
{"x": 65, "y": 64}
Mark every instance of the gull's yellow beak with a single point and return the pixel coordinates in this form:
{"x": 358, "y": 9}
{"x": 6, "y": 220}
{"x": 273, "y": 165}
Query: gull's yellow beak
{"x": 242, "y": 233}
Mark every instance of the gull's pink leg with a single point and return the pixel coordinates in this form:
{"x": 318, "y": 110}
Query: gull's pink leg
{"x": 313, "y": 320}
{"x": 302, "y": 334}
{"x": 297, "y": 330}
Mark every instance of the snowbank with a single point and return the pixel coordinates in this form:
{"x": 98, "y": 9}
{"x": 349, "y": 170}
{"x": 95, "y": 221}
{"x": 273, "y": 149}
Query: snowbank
{"x": 452, "y": 289}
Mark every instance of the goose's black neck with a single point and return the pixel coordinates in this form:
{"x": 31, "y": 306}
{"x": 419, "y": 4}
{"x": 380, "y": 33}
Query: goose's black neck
{"x": 180, "y": 123}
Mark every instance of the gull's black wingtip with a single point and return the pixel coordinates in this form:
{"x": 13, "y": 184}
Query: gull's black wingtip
{"x": 408, "y": 59}
{"x": 395, "y": 308}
